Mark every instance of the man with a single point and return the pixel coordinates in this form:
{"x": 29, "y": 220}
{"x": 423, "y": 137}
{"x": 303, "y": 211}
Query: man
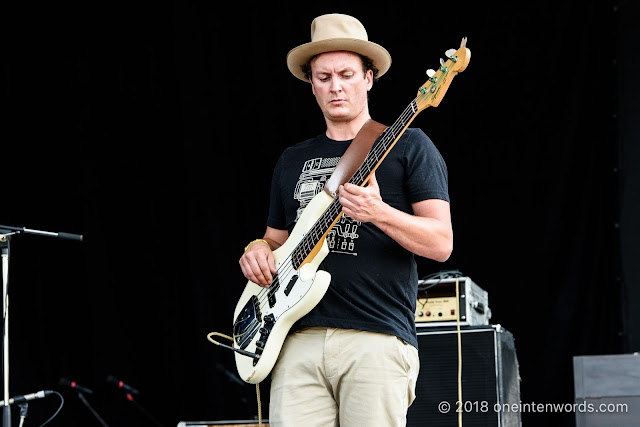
{"x": 352, "y": 361}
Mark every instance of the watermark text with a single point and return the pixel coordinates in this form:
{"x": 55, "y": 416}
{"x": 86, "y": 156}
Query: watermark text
{"x": 522, "y": 407}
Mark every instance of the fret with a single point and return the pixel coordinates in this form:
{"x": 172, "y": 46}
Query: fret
{"x": 295, "y": 257}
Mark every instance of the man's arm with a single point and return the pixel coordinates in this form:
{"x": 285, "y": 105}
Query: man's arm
{"x": 257, "y": 262}
{"x": 428, "y": 232}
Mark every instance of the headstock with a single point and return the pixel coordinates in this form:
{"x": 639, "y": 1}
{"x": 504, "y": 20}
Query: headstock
{"x": 431, "y": 93}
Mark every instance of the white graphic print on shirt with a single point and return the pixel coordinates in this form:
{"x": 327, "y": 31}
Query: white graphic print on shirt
{"x": 314, "y": 175}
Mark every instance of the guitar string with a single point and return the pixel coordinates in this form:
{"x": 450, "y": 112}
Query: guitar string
{"x": 321, "y": 223}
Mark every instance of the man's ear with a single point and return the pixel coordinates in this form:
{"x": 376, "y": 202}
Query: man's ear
{"x": 369, "y": 77}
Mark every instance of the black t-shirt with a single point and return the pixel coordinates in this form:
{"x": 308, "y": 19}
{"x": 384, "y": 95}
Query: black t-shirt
{"x": 373, "y": 279}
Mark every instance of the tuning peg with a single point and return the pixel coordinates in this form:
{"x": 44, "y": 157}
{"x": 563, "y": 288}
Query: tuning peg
{"x": 431, "y": 73}
{"x": 442, "y": 62}
{"x": 450, "y": 53}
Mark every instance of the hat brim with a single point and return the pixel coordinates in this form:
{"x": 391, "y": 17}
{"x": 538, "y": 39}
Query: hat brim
{"x": 299, "y": 56}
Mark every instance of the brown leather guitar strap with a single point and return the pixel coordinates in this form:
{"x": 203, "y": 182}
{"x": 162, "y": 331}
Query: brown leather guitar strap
{"x": 354, "y": 156}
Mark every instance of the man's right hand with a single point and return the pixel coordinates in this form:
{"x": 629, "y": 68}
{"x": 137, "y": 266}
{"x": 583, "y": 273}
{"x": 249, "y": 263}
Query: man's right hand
{"x": 258, "y": 264}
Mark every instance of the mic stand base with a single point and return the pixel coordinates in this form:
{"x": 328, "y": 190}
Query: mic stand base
{"x": 6, "y": 416}
{"x": 24, "y": 409}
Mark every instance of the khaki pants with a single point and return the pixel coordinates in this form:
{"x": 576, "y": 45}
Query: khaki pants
{"x": 337, "y": 377}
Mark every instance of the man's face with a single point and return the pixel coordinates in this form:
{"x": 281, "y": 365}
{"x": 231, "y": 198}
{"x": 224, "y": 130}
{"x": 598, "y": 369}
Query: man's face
{"x": 340, "y": 86}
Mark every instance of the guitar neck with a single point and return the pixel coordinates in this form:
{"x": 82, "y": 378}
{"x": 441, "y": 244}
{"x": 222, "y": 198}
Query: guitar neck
{"x": 330, "y": 216}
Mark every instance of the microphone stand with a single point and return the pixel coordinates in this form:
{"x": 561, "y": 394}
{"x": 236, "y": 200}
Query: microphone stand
{"x": 6, "y": 232}
{"x": 93, "y": 411}
{"x": 4, "y": 246}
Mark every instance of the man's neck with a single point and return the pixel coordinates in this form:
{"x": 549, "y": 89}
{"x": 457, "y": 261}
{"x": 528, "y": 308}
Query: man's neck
{"x": 343, "y": 131}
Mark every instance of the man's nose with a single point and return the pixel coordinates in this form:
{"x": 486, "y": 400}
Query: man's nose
{"x": 335, "y": 84}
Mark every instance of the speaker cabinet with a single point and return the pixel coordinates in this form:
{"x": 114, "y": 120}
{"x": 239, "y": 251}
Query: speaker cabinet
{"x": 490, "y": 381}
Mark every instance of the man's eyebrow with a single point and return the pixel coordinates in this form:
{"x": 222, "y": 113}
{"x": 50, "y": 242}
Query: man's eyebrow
{"x": 340, "y": 71}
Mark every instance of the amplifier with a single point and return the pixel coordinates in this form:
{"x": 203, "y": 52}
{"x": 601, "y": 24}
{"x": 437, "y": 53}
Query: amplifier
{"x": 436, "y": 305}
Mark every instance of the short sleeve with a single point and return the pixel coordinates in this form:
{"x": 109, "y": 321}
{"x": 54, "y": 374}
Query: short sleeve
{"x": 426, "y": 171}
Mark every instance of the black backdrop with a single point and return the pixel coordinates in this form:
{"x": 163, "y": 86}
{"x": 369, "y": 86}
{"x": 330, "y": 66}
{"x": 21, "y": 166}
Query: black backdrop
{"x": 152, "y": 128}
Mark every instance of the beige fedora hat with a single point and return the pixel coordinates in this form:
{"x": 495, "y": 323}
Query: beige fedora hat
{"x": 335, "y": 32}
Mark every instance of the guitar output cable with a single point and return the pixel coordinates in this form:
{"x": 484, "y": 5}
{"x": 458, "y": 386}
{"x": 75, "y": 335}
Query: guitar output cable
{"x": 218, "y": 334}
{"x": 459, "y": 352}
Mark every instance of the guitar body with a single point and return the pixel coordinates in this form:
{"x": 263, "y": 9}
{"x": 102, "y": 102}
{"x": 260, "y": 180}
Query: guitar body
{"x": 298, "y": 292}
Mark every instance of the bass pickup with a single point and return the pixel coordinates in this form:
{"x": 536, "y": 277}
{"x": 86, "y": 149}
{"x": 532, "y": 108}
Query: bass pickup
{"x": 292, "y": 282}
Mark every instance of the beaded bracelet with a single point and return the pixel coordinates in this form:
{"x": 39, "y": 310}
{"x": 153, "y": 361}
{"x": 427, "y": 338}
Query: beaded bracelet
{"x": 257, "y": 240}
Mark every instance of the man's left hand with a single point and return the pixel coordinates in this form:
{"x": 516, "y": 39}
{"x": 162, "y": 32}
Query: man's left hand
{"x": 361, "y": 203}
